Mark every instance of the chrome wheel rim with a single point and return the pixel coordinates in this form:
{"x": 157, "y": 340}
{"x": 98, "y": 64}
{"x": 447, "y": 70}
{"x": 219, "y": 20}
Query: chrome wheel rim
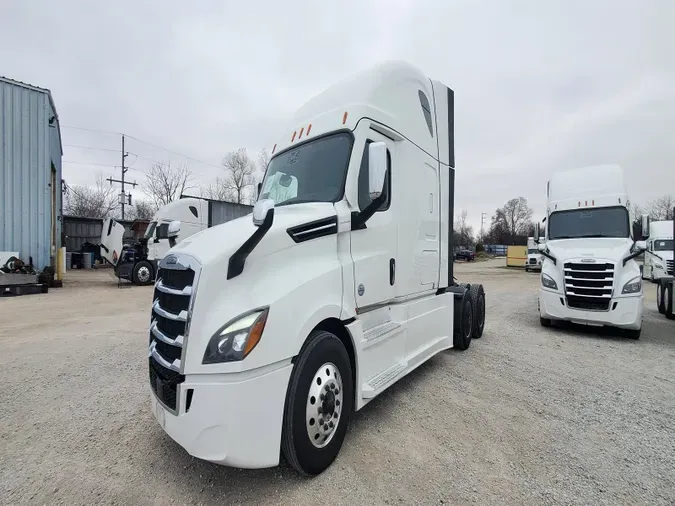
{"x": 324, "y": 405}
{"x": 143, "y": 274}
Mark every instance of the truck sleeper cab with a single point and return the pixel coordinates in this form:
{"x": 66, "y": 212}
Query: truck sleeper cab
{"x": 268, "y": 331}
{"x": 589, "y": 275}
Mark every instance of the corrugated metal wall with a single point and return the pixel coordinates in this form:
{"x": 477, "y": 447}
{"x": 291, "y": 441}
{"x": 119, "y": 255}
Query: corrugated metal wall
{"x": 222, "y": 212}
{"x": 26, "y": 173}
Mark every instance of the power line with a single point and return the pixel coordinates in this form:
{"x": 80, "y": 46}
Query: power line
{"x": 90, "y": 147}
{"x": 91, "y": 130}
{"x": 174, "y": 153}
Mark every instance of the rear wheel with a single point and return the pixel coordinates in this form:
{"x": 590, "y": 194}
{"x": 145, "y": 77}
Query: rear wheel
{"x": 660, "y": 298}
{"x": 477, "y": 295}
{"x": 319, "y": 403}
{"x": 668, "y": 296}
{"x": 463, "y": 324}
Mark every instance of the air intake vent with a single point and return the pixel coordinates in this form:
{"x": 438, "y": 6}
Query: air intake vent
{"x": 314, "y": 229}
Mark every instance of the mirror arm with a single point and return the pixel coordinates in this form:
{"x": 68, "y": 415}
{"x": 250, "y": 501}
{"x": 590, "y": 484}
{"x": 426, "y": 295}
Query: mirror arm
{"x": 632, "y": 255}
{"x": 359, "y": 219}
{"x": 550, "y": 257}
{"x": 235, "y": 265}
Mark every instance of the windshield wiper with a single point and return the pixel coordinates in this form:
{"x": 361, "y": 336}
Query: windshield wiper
{"x": 295, "y": 200}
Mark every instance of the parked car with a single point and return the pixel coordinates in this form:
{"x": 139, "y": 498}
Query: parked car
{"x": 465, "y": 254}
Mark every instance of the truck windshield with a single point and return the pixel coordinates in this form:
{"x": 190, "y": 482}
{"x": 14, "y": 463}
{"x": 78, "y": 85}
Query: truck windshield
{"x": 663, "y": 245}
{"x": 312, "y": 172}
{"x": 580, "y": 223}
{"x": 150, "y": 230}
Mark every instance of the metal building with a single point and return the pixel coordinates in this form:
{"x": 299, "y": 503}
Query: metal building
{"x": 30, "y": 173}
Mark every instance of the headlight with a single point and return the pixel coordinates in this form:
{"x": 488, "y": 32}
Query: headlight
{"x": 633, "y": 286}
{"x": 235, "y": 340}
{"x": 547, "y": 282}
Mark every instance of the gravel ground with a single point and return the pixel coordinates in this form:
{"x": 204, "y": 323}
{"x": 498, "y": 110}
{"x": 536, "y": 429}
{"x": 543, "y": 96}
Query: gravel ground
{"x": 525, "y": 416}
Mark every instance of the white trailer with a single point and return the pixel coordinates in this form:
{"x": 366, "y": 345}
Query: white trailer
{"x": 267, "y": 333}
{"x": 589, "y": 275}
{"x": 658, "y": 261}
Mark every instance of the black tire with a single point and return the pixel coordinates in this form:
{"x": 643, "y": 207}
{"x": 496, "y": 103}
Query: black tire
{"x": 660, "y": 298}
{"x": 669, "y": 302}
{"x": 545, "y": 322}
{"x": 477, "y": 295}
{"x": 309, "y": 460}
{"x": 527, "y": 269}
{"x": 463, "y": 324}
{"x": 633, "y": 334}
{"x": 143, "y": 273}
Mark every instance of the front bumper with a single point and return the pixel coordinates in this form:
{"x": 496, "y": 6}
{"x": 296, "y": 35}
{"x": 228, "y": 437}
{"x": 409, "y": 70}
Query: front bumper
{"x": 233, "y": 419}
{"x": 627, "y": 314}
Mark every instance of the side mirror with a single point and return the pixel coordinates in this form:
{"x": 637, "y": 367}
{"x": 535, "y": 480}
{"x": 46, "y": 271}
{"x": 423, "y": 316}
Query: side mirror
{"x": 174, "y": 229}
{"x": 541, "y": 247}
{"x": 260, "y": 210}
{"x": 259, "y": 188}
{"x": 537, "y": 232}
{"x": 377, "y": 168}
{"x": 641, "y": 245}
{"x": 645, "y": 226}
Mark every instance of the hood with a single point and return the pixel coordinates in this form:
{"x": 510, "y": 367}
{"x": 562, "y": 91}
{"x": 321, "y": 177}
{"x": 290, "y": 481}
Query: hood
{"x": 601, "y": 248}
{"x": 216, "y": 244}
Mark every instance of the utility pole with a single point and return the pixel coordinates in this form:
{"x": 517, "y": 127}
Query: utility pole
{"x": 123, "y": 198}
{"x": 482, "y": 220}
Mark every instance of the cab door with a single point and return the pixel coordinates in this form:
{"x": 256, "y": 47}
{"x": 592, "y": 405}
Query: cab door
{"x": 374, "y": 248}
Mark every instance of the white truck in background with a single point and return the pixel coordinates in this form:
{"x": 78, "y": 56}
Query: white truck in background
{"x": 589, "y": 275}
{"x": 136, "y": 261}
{"x": 659, "y": 255}
{"x": 268, "y": 332}
{"x": 534, "y": 256}
{"x": 663, "y": 231}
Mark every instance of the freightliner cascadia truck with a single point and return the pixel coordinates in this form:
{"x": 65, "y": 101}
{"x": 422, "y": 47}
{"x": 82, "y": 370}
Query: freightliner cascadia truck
{"x": 589, "y": 275}
{"x": 269, "y": 331}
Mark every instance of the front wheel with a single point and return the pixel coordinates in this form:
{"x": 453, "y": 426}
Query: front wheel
{"x": 319, "y": 404}
{"x": 633, "y": 333}
{"x": 143, "y": 273}
{"x": 545, "y": 322}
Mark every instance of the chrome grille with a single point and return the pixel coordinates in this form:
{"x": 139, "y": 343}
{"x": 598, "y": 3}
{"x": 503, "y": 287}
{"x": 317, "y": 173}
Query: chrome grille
{"x": 588, "y": 286}
{"x": 173, "y": 298}
{"x": 669, "y": 267}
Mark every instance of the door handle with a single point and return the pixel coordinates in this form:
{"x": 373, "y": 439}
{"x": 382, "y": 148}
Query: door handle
{"x": 392, "y": 271}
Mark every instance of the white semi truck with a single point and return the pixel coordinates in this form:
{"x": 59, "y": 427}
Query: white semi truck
{"x": 268, "y": 332}
{"x": 589, "y": 275}
{"x": 661, "y": 235}
{"x": 136, "y": 261}
{"x": 534, "y": 256}
{"x": 658, "y": 261}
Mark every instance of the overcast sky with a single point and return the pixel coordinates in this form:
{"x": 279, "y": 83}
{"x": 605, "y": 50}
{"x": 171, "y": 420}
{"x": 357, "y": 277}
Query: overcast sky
{"x": 539, "y": 85}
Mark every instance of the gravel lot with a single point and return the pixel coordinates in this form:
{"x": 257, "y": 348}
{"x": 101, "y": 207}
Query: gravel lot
{"x": 525, "y": 416}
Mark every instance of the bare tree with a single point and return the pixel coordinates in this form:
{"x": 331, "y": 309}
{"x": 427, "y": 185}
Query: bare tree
{"x": 217, "y": 191}
{"x": 165, "y": 183}
{"x": 141, "y": 210}
{"x": 514, "y": 218}
{"x": 661, "y": 208}
{"x": 240, "y": 175}
{"x": 99, "y": 201}
{"x": 463, "y": 232}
